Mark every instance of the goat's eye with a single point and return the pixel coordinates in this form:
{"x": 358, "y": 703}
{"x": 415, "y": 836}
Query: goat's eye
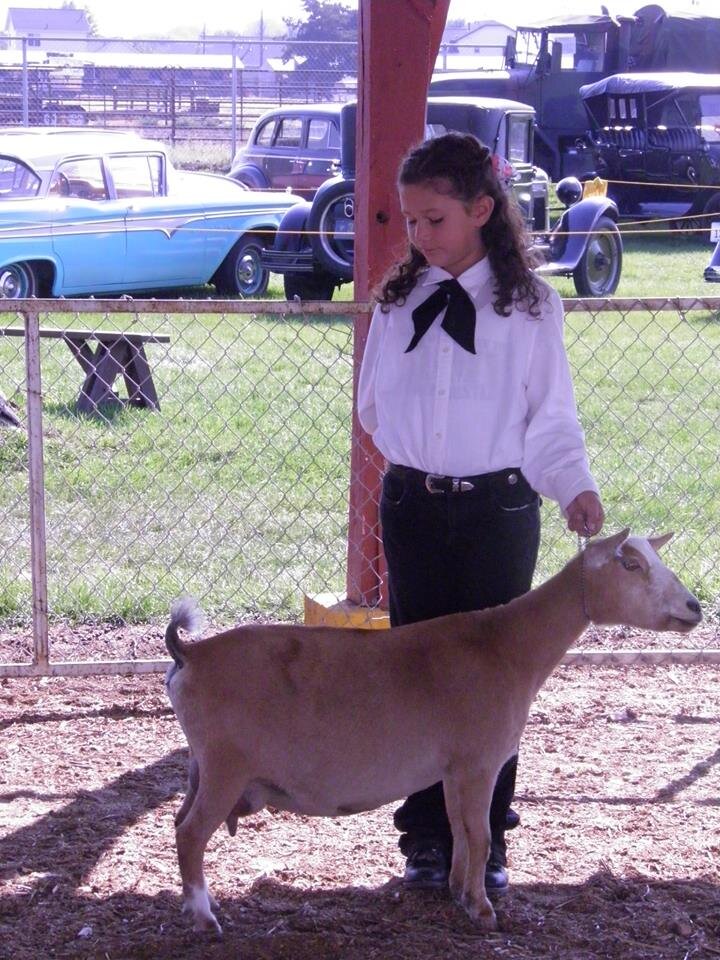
{"x": 630, "y": 564}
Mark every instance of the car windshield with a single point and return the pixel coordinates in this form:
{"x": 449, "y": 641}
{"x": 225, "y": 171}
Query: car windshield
{"x": 17, "y": 180}
{"x": 582, "y": 50}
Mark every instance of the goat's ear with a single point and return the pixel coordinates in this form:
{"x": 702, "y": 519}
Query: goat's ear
{"x": 632, "y": 558}
{"x": 616, "y": 539}
{"x": 657, "y": 542}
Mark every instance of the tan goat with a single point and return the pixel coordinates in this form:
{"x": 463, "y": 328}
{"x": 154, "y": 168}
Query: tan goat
{"x": 328, "y": 721}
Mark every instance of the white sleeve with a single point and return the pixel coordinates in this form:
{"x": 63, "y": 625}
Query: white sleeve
{"x": 555, "y": 460}
{"x": 367, "y": 412}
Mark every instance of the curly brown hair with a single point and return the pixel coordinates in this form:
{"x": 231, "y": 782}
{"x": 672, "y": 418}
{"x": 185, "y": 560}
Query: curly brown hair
{"x": 460, "y": 165}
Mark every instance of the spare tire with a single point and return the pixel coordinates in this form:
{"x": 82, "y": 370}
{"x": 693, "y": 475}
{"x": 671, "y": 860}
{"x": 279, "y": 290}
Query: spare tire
{"x": 331, "y": 227}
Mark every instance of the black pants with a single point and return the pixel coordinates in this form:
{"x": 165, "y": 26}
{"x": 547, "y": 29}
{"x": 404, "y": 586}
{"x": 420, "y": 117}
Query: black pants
{"x": 449, "y": 553}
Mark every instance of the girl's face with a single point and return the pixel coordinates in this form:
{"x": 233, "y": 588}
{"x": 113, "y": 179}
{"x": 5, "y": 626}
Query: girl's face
{"x": 444, "y": 229}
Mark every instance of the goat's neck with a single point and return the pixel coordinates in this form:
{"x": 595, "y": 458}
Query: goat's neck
{"x": 550, "y": 618}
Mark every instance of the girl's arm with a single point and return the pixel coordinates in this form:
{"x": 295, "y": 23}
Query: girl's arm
{"x": 367, "y": 412}
{"x": 555, "y": 461}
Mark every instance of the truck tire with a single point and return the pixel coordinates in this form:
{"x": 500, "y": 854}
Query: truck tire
{"x": 598, "y": 272}
{"x": 309, "y": 286}
{"x": 332, "y": 248}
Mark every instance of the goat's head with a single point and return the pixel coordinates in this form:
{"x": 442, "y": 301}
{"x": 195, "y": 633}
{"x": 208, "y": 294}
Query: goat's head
{"x": 625, "y": 581}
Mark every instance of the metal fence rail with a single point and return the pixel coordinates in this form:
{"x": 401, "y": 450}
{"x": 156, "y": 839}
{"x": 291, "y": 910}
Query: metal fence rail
{"x": 226, "y": 476}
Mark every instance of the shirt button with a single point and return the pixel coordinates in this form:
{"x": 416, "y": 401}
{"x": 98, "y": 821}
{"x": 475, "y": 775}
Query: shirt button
{"x": 438, "y": 435}
{"x": 446, "y": 350}
{"x": 441, "y": 393}
{"x": 512, "y": 478}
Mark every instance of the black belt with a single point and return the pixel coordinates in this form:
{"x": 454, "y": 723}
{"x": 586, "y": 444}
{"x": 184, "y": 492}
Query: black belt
{"x": 438, "y": 483}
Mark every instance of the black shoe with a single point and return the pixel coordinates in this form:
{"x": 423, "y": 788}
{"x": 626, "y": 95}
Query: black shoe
{"x": 427, "y": 867}
{"x": 496, "y": 875}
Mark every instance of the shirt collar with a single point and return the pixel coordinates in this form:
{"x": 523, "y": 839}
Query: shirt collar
{"x": 471, "y": 280}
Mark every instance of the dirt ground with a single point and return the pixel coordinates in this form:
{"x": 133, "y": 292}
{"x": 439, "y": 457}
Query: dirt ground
{"x": 617, "y": 855}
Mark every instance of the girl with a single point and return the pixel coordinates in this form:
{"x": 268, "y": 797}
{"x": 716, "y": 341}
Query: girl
{"x": 466, "y": 391}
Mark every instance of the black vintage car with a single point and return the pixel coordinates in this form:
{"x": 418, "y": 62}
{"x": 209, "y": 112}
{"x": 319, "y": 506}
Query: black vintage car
{"x": 313, "y": 246}
{"x": 656, "y": 138}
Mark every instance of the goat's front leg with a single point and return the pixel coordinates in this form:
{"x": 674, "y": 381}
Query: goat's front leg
{"x": 458, "y": 870}
{"x": 474, "y": 793}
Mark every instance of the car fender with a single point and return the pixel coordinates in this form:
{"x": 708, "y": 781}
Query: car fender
{"x": 48, "y": 263}
{"x": 252, "y": 176}
{"x": 290, "y": 233}
{"x": 571, "y": 234}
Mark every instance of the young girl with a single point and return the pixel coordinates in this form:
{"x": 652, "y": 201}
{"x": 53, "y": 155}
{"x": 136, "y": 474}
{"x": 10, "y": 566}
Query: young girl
{"x": 466, "y": 391}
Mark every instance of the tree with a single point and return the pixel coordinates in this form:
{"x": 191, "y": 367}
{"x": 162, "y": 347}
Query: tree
{"x": 333, "y": 26}
{"x": 92, "y": 26}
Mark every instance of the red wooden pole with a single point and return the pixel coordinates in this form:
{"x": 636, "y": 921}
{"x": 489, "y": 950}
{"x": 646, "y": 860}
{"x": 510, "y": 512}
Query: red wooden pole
{"x": 398, "y": 44}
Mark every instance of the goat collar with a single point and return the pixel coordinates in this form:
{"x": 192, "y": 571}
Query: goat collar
{"x": 583, "y": 596}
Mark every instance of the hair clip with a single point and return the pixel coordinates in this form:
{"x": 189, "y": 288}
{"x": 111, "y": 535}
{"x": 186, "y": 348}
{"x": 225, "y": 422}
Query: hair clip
{"x": 503, "y": 170}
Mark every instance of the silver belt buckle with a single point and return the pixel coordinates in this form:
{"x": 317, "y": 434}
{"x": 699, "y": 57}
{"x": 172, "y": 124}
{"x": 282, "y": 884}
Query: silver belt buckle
{"x": 429, "y": 482}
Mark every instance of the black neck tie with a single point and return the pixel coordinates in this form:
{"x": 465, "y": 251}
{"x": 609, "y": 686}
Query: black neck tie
{"x": 459, "y": 319}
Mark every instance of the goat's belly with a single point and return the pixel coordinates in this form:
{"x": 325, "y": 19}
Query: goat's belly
{"x": 314, "y": 797}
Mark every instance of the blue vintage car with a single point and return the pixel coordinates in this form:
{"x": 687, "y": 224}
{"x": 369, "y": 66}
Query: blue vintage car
{"x": 103, "y": 212}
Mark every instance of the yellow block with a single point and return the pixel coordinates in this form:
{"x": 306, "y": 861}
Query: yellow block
{"x": 595, "y": 188}
{"x": 335, "y": 610}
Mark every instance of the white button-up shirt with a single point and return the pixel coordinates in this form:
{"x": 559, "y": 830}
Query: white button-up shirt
{"x": 443, "y": 410}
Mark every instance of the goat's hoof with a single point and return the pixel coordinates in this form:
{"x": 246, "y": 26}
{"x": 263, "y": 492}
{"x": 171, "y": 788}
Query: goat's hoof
{"x": 482, "y": 915}
{"x": 209, "y": 925}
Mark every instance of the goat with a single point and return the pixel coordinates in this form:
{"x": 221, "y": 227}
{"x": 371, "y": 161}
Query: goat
{"x": 327, "y": 721}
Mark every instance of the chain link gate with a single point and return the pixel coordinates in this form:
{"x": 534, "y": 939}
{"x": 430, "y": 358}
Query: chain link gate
{"x": 212, "y": 459}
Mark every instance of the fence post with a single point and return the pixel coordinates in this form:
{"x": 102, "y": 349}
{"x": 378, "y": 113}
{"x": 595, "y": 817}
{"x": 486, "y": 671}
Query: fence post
{"x": 38, "y": 544}
{"x": 233, "y": 102}
{"x": 25, "y": 86}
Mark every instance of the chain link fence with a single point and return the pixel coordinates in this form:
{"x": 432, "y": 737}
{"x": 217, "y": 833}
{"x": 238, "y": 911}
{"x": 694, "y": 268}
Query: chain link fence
{"x": 201, "y": 96}
{"x": 226, "y": 473}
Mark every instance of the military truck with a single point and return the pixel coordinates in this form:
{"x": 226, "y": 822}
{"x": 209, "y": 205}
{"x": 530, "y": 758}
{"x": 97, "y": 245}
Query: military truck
{"x": 546, "y": 64}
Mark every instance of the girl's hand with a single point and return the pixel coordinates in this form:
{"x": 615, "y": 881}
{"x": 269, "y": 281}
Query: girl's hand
{"x": 585, "y": 514}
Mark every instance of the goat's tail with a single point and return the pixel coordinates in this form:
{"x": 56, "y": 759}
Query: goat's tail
{"x": 185, "y": 614}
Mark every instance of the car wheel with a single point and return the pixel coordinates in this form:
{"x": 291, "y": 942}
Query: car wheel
{"x": 331, "y": 225}
{"x": 242, "y": 272}
{"x": 598, "y": 273}
{"x": 309, "y": 286}
{"x": 17, "y": 282}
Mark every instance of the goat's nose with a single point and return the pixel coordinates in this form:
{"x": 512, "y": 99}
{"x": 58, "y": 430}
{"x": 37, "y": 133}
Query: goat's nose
{"x": 694, "y": 606}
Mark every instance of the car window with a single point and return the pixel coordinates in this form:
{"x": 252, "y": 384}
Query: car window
{"x": 136, "y": 175}
{"x": 264, "y": 135}
{"x": 17, "y": 180}
{"x": 322, "y": 133}
{"x": 289, "y": 133}
{"x": 80, "y": 178}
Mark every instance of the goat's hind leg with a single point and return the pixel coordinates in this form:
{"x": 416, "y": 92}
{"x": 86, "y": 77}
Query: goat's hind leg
{"x": 219, "y": 785}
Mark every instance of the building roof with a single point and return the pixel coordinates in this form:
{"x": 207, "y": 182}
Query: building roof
{"x": 55, "y": 19}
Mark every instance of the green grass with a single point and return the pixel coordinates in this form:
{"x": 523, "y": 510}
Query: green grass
{"x": 236, "y": 491}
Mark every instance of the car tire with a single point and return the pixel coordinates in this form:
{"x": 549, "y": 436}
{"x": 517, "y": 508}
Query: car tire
{"x": 241, "y": 272}
{"x": 334, "y": 255}
{"x": 309, "y": 286}
{"x": 598, "y": 272}
{"x": 17, "y": 281}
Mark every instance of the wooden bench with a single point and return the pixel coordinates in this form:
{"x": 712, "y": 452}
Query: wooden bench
{"x": 113, "y": 354}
